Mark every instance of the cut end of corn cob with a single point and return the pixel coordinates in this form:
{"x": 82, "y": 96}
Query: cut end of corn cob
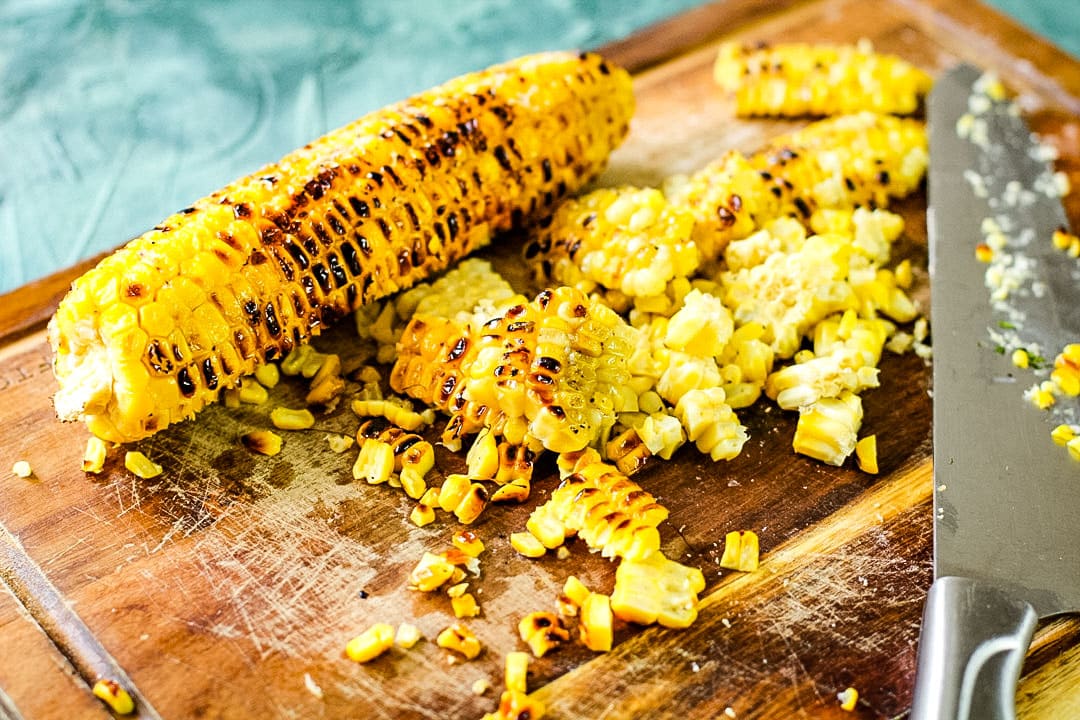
{"x": 157, "y": 330}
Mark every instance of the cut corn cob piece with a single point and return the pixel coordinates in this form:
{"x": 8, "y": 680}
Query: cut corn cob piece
{"x": 152, "y": 334}
{"x": 610, "y": 512}
{"x": 627, "y": 239}
{"x": 657, "y": 590}
{"x": 797, "y": 79}
{"x": 827, "y": 429}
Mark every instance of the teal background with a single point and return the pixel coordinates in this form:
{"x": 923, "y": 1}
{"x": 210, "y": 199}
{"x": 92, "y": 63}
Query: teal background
{"x": 115, "y": 113}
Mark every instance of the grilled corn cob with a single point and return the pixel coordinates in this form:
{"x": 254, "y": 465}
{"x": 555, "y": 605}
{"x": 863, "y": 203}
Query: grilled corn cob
{"x": 796, "y": 79}
{"x": 155, "y": 331}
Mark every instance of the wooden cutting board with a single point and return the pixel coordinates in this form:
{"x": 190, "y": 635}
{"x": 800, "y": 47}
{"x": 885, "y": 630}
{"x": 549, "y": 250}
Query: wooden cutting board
{"x": 229, "y": 586}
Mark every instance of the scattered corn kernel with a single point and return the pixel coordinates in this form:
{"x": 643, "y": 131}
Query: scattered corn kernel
{"x": 339, "y": 443}
{"x": 517, "y": 671}
{"x": 114, "y": 696}
{"x": 95, "y": 454}
{"x": 740, "y": 551}
{"x": 430, "y": 573}
{"x": 268, "y": 375}
{"x": 460, "y": 639}
{"x": 596, "y": 622}
{"x": 656, "y": 590}
{"x": 407, "y": 635}
{"x": 465, "y": 606}
{"x": 866, "y": 454}
{"x": 527, "y": 544}
{"x": 542, "y": 632}
{"x": 22, "y": 469}
{"x": 141, "y": 465}
{"x": 375, "y": 463}
{"x": 285, "y": 418}
{"x": 984, "y": 253}
{"x": 262, "y": 442}
{"x": 517, "y": 706}
{"x": 371, "y": 643}
{"x": 467, "y": 542}
{"x": 252, "y": 392}
{"x": 1062, "y": 434}
{"x": 1020, "y": 358}
{"x": 575, "y": 590}
{"x": 1073, "y": 446}
{"x": 848, "y": 699}
{"x": 422, "y": 515}
{"x": 480, "y": 686}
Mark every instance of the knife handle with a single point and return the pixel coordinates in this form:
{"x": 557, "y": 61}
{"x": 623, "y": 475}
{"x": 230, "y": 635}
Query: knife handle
{"x": 974, "y": 638}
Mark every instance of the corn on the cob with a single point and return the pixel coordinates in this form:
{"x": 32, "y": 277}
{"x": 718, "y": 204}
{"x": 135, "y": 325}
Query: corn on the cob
{"x": 796, "y": 79}
{"x": 155, "y": 331}
{"x": 626, "y": 239}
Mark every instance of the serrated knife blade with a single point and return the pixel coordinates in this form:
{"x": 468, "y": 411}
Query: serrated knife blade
{"x": 1006, "y": 498}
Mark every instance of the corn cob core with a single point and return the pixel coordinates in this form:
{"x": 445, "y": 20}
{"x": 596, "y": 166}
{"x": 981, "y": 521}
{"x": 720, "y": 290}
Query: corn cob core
{"x": 155, "y": 331}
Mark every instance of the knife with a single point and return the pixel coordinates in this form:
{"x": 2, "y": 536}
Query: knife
{"x": 1006, "y": 498}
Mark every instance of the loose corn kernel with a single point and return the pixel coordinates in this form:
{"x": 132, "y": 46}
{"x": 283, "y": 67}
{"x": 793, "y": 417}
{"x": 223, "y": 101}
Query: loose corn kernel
{"x": 393, "y": 411}
{"x": 141, "y": 465}
{"x": 375, "y": 463}
{"x": 297, "y": 358}
{"x": 252, "y": 392}
{"x": 903, "y": 274}
{"x": 95, "y": 454}
{"x": 412, "y": 482}
{"x": 407, "y": 635}
{"x": 422, "y": 515}
{"x": 848, "y": 699}
{"x": 1020, "y": 358}
{"x": 1073, "y": 446}
{"x": 453, "y": 491}
{"x": 1062, "y": 434}
{"x": 547, "y": 529}
{"x": 467, "y": 542}
{"x": 339, "y": 443}
{"x": 430, "y": 573}
{"x": 285, "y": 418}
{"x": 262, "y": 442}
{"x": 984, "y": 253}
{"x": 456, "y": 591}
{"x": 575, "y": 590}
{"x": 656, "y": 590}
{"x": 115, "y": 696}
{"x": 430, "y": 498}
{"x": 1041, "y": 395}
{"x": 542, "y": 632}
{"x": 459, "y": 638}
{"x": 740, "y": 551}
{"x": 482, "y": 460}
{"x": 517, "y": 671}
{"x": 465, "y": 606}
{"x": 480, "y": 686}
{"x": 371, "y": 643}
{"x": 517, "y": 706}
{"x": 474, "y": 502}
{"x": 527, "y": 544}
{"x": 596, "y": 622}
{"x": 827, "y": 429}
{"x": 866, "y": 454}
{"x": 22, "y": 469}
{"x": 268, "y": 375}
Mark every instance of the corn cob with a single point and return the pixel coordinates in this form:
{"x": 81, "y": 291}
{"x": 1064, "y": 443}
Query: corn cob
{"x": 797, "y": 79}
{"x": 547, "y": 371}
{"x": 155, "y": 331}
{"x": 627, "y": 239}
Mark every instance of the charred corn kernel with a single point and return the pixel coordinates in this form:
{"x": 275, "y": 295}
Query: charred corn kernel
{"x": 430, "y": 573}
{"x": 482, "y": 459}
{"x": 740, "y": 551}
{"x": 828, "y": 428}
{"x": 849, "y": 699}
{"x": 94, "y": 455}
{"x": 453, "y": 491}
{"x": 407, "y": 635}
{"x": 866, "y": 454}
{"x": 542, "y": 632}
{"x": 262, "y": 442}
{"x": 422, "y": 515}
{"x": 339, "y": 443}
{"x": 984, "y": 253}
{"x": 610, "y": 512}
{"x": 796, "y": 79}
{"x": 515, "y": 705}
{"x": 516, "y": 675}
{"x": 656, "y": 590}
{"x": 375, "y": 463}
{"x": 711, "y": 424}
{"x": 467, "y": 542}
{"x": 252, "y": 393}
{"x": 628, "y": 451}
{"x": 141, "y": 465}
{"x": 371, "y": 643}
{"x": 527, "y": 544}
{"x": 115, "y": 696}
{"x": 149, "y": 336}
{"x": 268, "y": 375}
{"x": 626, "y": 239}
{"x": 515, "y": 465}
{"x": 285, "y": 418}
{"x": 22, "y": 469}
{"x": 512, "y": 492}
{"x": 465, "y": 606}
{"x": 472, "y": 504}
{"x": 596, "y": 622}
{"x": 460, "y": 639}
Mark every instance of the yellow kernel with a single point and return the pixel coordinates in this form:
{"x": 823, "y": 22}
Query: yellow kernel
{"x": 740, "y": 551}
{"x": 467, "y": 542}
{"x": 527, "y": 544}
{"x": 903, "y": 274}
{"x": 848, "y": 698}
{"x": 984, "y": 253}
{"x": 252, "y": 392}
{"x": 430, "y": 573}
{"x": 339, "y": 443}
{"x": 1020, "y": 358}
{"x": 141, "y": 465}
{"x": 407, "y": 635}
{"x": 94, "y": 456}
{"x": 285, "y": 418}
{"x": 866, "y": 454}
{"x": 803, "y": 355}
{"x": 459, "y": 638}
{"x": 371, "y": 643}
{"x": 262, "y": 442}
{"x": 1062, "y": 434}
{"x": 517, "y": 671}
{"x": 480, "y": 686}
{"x": 1071, "y": 353}
{"x": 575, "y": 590}
{"x": 422, "y": 515}
{"x": 474, "y": 502}
{"x": 596, "y": 622}
{"x": 1073, "y": 446}
{"x": 268, "y": 375}
{"x": 22, "y": 469}
{"x": 1067, "y": 380}
{"x": 465, "y": 606}
{"x": 114, "y": 696}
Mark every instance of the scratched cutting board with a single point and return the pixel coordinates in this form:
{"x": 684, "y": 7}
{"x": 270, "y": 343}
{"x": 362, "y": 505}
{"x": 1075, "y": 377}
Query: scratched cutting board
{"x": 218, "y": 588}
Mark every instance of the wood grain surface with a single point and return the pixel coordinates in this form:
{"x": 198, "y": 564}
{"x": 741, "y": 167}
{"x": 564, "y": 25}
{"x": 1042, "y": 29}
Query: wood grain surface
{"x": 228, "y": 587}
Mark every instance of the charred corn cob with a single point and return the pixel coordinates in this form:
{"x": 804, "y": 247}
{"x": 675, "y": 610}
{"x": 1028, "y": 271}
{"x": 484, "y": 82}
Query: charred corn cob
{"x": 627, "y": 239}
{"x": 547, "y": 371}
{"x": 154, "y": 332}
{"x": 796, "y": 79}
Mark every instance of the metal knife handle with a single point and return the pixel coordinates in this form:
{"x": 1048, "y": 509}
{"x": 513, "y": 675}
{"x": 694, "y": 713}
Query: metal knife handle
{"x": 974, "y": 638}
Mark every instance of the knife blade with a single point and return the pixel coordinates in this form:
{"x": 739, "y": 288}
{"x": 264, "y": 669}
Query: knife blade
{"x": 1006, "y": 498}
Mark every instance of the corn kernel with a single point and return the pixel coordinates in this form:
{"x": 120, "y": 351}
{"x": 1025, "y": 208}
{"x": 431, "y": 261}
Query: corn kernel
{"x": 480, "y": 686}
{"x": 848, "y": 699}
{"x": 422, "y": 515}
{"x": 115, "y": 696}
{"x": 465, "y": 606}
{"x": 268, "y": 375}
{"x": 412, "y": 482}
{"x": 547, "y": 529}
{"x": 430, "y": 573}
{"x": 467, "y": 542}
{"x": 596, "y": 622}
{"x": 517, "y": 671}
{"x": 459, "y": 638}
{"x": 984, "y": 253}
{"x": 375, "y": 463}
{"x": 527, "y": 544}
{"x": 371, "y": 643}
{"x": 474, "y": 502}
{"x": 866, "y": 454}
{"x": 262, "y": 442}
{"x": 1067, "y": 380}
{"x": 22, "y": 469}
{"x": 141, "y": 465}
{"x": 903, "y": 275}
{"x": 482, "y": 460}
{"x": 95, "y": 454}
{"x": 230, "y": 398}
{"x": 339, "y": 443}
{"x": 740, "y": 551}
{"x": 297, "y": 358}
{"x": 1073, "y": 446}
{"x": 252, "y": 392}
{"x": 1062, "y": 434}
{"x": 1020, "y": 358}
{"x": 285, "y": 418}
{"x": 542, "y": 632}
{"x": 656, "y": 590}
{"x": 407, "y": 635}
{"x": 575, "y": 590}
{"x": 457, "y": 590}
{"x": 453, "y": 491}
